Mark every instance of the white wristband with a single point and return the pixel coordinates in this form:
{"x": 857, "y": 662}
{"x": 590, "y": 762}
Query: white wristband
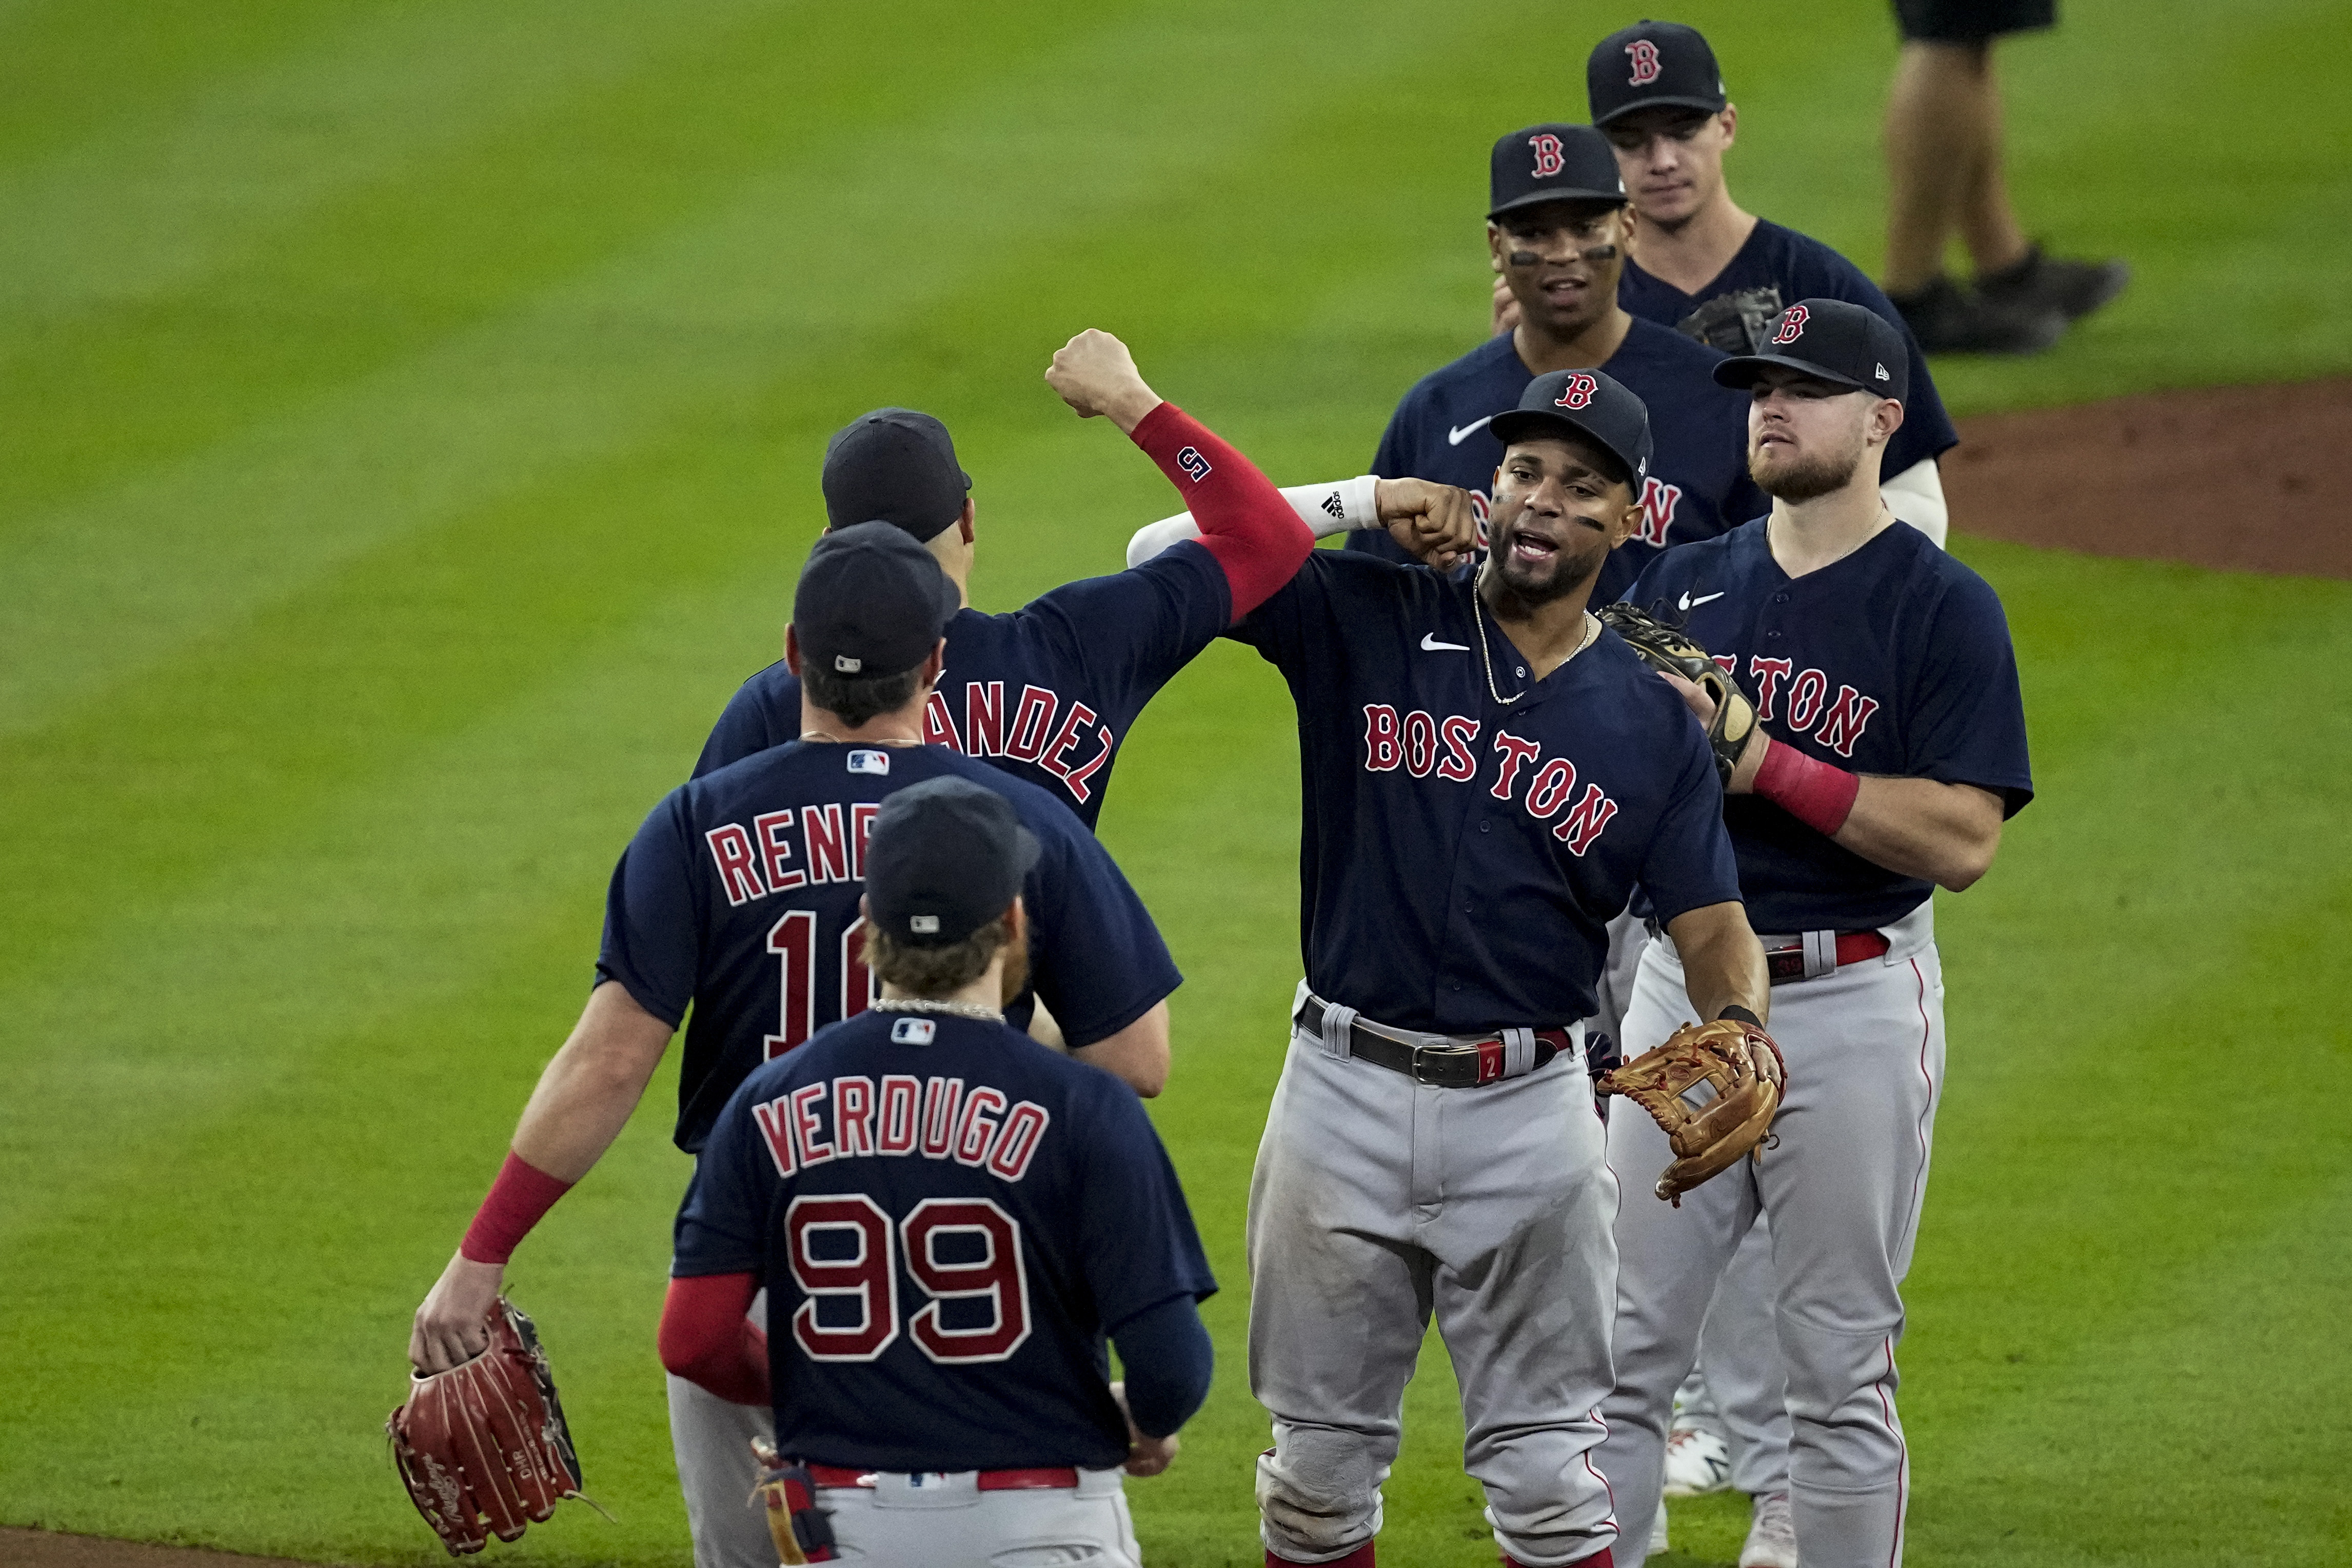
{"x": 1328, "y": 508}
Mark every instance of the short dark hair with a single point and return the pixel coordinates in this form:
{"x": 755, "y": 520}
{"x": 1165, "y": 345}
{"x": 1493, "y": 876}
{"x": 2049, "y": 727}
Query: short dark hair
{"x": 853, "y": 699}
{"x": 934, "y": 971}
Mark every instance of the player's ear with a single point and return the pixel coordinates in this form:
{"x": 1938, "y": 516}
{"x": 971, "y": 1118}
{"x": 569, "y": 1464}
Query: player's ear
{"x": 1885, "y": 421}
{"x": 1016, "y": 920}
{"x": 1629, "y": 522}
{"x": 936, "y": 665}
{"x": 1494, "y": 245}
{"x": 1730, "y": 120}
{"x": 964, "y": 522}
{"x": 792, "y": 651}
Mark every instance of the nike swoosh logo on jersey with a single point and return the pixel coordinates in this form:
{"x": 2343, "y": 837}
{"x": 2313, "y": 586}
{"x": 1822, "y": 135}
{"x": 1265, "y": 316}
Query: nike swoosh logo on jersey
{"x": 1688, "y": 601}
{"x": 1430, "y": 644}
{"x": 1456, "y": 437}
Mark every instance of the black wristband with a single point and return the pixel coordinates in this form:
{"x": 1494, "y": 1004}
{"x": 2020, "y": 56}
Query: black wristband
{"x": 1742, "y": 1014}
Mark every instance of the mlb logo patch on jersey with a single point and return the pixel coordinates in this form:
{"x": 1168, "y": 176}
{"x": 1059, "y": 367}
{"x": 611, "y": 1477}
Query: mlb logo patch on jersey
{"x": 913, "y": 1031}
{"x": 863, "y": 761}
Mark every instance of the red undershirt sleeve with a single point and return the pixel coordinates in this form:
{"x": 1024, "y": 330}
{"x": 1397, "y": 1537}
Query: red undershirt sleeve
{"x": 518, "y": 1199}
{"x": 1245, "y": 523}
{"x": 707, "y": 1340}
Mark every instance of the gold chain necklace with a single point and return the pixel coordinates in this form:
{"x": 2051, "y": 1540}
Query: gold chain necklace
{"x": 1486, "y": 655}
{"x": 929, "y": 1005}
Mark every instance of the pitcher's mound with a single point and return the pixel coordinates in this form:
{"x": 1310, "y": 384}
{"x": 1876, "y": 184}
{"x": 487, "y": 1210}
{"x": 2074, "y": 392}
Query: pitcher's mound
{"x": 2243, "y": 478}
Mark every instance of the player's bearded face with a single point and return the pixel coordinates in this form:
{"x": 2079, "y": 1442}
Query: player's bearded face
{"x": 1805, "y": 440}
{"x": 1551, "y": 526}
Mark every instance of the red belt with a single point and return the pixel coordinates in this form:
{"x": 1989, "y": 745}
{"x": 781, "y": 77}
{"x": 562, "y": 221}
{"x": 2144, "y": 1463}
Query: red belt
{"x": 1048, "y": 1479}
{"x": 1852, "y": 946}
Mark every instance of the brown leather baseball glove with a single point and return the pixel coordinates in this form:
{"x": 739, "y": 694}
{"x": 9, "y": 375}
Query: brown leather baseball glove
{"x": 1745, "y": 1067}
{"x": 1670, "y": 648}
{"x": 485, "y": 1444}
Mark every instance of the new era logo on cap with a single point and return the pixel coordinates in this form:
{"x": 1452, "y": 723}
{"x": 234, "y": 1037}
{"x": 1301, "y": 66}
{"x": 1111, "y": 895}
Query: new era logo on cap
{"x": 847, "y": 665}
{"x": 1882, "y": 373}
{"x": 923, "y": 925}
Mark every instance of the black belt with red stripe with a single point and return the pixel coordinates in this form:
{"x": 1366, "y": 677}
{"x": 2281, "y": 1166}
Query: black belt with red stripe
{"x": 1462, "y": 1064}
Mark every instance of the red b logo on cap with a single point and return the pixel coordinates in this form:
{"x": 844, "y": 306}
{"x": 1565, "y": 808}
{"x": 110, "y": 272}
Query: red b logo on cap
{"x": 1548, "y": 159}
{"x": 1644, "y": 56}
{"x": 1792, "y": 322}
{"x": 1577, "y": 391}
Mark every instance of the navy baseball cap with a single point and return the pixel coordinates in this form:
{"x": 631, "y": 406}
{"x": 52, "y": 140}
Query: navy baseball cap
{"x": 871, "y": 602}
{"x": 1552, "y": 164}
{"x": 1651, "y": 65}
{"x": 947, "y": 856}
{"x": 896, "y": 465}
{"x": 1834, "y": 340}
{"x": 1586, "y": 404}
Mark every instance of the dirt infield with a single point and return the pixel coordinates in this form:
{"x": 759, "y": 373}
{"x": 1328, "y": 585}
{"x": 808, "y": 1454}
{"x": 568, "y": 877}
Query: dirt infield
{"x": 2242, "y": 478}
{"x": 47, "y": 1549}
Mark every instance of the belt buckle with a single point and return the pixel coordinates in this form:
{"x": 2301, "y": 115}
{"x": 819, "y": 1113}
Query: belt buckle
{"x": 1448, "y": 1060}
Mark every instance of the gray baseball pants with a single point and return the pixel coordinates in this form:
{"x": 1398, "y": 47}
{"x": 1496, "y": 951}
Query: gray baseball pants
{"x": 1378, "y": 1201}
{"x": 1844, "y": 1187}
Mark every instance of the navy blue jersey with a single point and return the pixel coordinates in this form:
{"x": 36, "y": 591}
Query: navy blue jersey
{"x": 1697, "y": 486}
{"x": 1895, "y": 661}
{"x": 948, "y": 1217}
{"x": 1803, "y": 267}
{"x": 740, "y": 895}
{"x": 1460, "y": 858}
{"x": 1046, "y": 693}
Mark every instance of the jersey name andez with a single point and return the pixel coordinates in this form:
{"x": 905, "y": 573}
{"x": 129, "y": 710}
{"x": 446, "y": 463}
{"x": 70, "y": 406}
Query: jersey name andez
{"x": 1046, "y": 694}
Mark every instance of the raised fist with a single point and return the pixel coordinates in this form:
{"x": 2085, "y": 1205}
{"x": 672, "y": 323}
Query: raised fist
{"x": 1095, "y": 374}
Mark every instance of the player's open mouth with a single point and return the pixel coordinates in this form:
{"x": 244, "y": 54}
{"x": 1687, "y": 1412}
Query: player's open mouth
{"x": 1566, "y": 288}
{"x": 1533, "y": 551}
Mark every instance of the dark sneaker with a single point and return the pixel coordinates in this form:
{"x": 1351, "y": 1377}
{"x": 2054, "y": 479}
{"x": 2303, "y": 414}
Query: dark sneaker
{"x": 1950, "y": 320}
{"x": 2040, "y": 282}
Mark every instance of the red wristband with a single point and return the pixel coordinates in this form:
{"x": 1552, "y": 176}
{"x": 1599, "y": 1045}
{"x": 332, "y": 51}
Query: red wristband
{"x": 518, "y": 1200}
{"x": 1812, "y": 791}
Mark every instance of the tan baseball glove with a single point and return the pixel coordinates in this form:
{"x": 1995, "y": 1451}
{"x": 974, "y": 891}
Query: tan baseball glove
{"x": 1744, "y": 1068}
{"x": 485, "y": 1444}
{"x": 1670, "y": 648}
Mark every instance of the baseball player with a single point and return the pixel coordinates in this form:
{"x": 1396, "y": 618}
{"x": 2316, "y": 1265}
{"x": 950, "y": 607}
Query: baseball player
{"x": 739, "y": 898}
{"x": 1703, "y": 265}
{"x": 1557, "y": 228}
{"x": 1048, "y": 692}
{"x": 1890, "y": 749}
{"x": 948, "y": 1218}
{"x": 1486, "y": 774}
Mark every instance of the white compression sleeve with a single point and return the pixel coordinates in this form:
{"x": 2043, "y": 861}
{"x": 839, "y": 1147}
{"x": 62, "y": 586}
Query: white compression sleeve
{"x": 1917, "y": 496}
{"x": 1328, "y": 509}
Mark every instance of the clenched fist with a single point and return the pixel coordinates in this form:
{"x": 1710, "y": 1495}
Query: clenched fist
{"x": 1095, "y": 374}
{"x": 1434, "y": 522}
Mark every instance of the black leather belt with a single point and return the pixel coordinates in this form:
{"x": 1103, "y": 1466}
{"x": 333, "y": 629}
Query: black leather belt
{"x": 1466, "y": 1064}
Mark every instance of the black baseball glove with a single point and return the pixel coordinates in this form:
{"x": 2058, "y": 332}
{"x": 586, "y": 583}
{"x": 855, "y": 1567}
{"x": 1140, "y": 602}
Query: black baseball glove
{"x": 1670, "y": 648}
{"x": 1734, "y": 323}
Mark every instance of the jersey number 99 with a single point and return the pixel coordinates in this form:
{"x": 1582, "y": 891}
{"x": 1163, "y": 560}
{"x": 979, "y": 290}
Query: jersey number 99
{"x": 868, "y": 1276}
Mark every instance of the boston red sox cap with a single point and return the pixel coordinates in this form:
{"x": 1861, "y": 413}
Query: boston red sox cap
{"x": 1552, "y": 164}
{"x": 947, "y": 856}
{"x": 871, "y": 602}
{"x": 1835, "y": 340}
{"x": 1587, "y": 403}
{"x": 896, "y": 465}
{"x": 1651, "y": 65}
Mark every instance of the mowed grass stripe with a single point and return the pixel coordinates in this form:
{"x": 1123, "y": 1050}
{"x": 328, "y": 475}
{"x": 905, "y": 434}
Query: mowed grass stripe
{"x": 699, "y": 316}
{"x": 457, "y": 234}
{"x": 171, "y": 188}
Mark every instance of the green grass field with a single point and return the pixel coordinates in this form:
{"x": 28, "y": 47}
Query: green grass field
{"x": 409, "y": 420}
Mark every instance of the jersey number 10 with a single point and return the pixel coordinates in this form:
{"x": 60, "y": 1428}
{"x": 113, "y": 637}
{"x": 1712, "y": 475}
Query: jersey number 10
{"x": 792, "y": 939}
{"x": 870, "y": 1277}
